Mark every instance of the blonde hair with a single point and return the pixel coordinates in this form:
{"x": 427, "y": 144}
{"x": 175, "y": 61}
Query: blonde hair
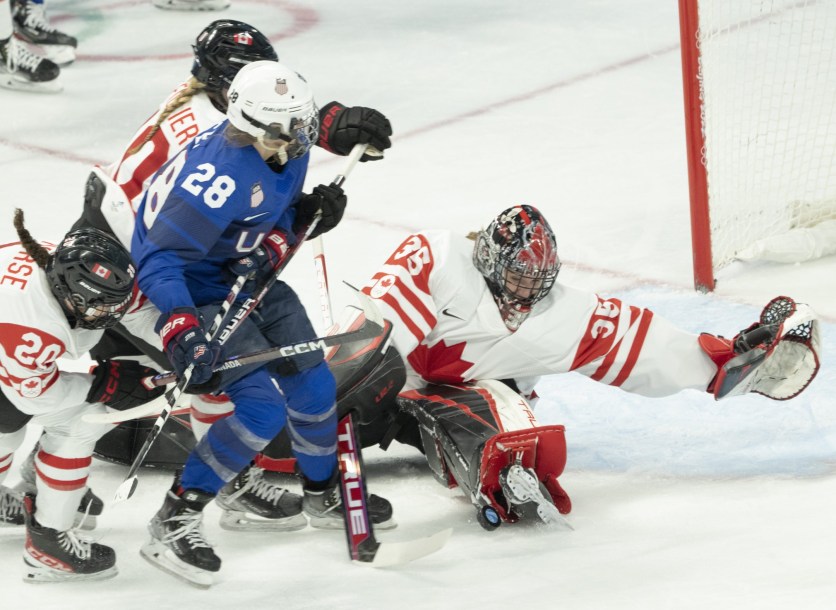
{"x": 38, "y": 253}
{"x": 193, "y": 87}
{"x": 238, "y": 137}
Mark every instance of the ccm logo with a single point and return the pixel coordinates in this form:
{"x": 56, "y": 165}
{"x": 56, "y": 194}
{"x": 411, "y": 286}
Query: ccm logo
{"x": 310, "y": 346}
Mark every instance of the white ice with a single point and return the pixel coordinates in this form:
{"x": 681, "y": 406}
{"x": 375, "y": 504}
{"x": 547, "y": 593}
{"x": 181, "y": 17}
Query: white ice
{"x": 572, "y": 106}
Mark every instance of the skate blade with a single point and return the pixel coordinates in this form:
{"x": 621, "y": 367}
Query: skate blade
{"x": 160, "y": 556}
{"x": 9, "y": 81}
{"x": 41, "y": 574}
{"x": 240, "y": 521}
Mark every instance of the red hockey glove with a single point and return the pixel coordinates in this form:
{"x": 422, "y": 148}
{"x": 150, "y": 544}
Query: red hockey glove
{"x": 340, "y": 128}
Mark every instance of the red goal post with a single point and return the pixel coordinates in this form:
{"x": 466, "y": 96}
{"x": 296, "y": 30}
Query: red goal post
{"x": 759, "y": 81}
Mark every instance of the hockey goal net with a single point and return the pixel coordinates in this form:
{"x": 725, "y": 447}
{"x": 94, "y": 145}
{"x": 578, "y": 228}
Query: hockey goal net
{"x": 760, "y": 103}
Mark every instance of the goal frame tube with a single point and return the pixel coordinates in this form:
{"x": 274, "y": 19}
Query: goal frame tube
{"x": 704, "y": 280}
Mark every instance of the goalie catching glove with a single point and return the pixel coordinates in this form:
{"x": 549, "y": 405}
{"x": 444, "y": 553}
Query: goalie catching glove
{"x": 777, "y": 357}
{"x": 342, "y": 128}
{"x": 119, "y": 384}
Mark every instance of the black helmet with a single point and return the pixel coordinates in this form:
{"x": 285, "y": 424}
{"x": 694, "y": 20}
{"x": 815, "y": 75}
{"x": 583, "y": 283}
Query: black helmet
{"x": 92, "y": 276}
{"x": 517, "y": 254}
{"x": 224, "y": 47}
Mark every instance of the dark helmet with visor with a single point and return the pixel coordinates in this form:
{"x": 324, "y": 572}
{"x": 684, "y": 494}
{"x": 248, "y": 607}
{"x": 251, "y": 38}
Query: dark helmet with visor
{"x": 92, "y": 276}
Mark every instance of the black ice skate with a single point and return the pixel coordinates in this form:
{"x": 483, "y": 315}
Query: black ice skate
{"x": 177, "y": 545}
{"x": 32, "y": 26}
{"x": 23, "y": 70}
{"x": 53, "y": 556}
{"x": 249, "y": 502}
{"x": 324, "y": 507}
{"x": 11, "y": 507}
{"x": 527, "y": 497}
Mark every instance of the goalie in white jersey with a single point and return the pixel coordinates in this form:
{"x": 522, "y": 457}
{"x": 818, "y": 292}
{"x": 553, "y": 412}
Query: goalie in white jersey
{"x": 465, "y": 315}
{"x": 56, "y": 306}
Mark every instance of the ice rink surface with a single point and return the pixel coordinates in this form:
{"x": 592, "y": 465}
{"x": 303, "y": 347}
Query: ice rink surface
{"x": 574, "y": 107}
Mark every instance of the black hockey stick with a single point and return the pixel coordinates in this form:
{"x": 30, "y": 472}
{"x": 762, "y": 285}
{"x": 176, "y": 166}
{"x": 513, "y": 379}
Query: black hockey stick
{"x": 363, "y": 547}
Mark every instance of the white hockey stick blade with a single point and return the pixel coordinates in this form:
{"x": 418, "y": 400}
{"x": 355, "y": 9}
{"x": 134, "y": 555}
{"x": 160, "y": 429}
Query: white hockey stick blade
{"x": 150, "y": 408}
{"x": 126, "y": 489}
{"x": 390, "y": 554}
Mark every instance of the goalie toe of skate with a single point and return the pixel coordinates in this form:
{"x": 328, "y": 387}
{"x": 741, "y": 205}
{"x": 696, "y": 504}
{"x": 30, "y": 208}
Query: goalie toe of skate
{"x": 160, "y": 556}
{"x": 522, "y": 489}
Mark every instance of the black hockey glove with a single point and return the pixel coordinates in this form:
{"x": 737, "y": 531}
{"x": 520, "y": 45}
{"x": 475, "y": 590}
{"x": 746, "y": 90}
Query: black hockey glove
{"x": 261, "y": 262}
{"x": 184, "y": 341}
{"x": 326, "y": 197}
{"x": 118, "y": 384}
{"x": 340, "y": 128}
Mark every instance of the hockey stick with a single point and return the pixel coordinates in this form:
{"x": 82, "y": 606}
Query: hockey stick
{"x": 317, "y": 244}
{"x": 372, "y": 327}
{"x": 363, "y": 547}
{"x": 129, "y": 484}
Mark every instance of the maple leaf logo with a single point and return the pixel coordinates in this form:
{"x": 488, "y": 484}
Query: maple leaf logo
{"x": 440, "y": 363}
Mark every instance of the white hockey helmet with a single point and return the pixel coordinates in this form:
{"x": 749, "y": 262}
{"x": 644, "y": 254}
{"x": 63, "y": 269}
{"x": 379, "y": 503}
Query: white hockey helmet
{"x": 274, "y": 104}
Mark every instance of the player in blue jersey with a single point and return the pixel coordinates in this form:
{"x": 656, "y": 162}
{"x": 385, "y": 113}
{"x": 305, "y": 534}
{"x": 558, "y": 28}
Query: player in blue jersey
{"x": 231, "y": 203}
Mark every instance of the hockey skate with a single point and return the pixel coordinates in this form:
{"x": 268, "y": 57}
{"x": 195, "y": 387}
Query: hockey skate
{"x": 53, "y": 556}
{"x": 23, "y": 70}
{"x": 192, "y": 5}
{"x": 526, "y": 495}
{"x": 251, "y": 503}
{"x": 324, "y": 508}
{"x": 32, "y": 26}
{"x": 177, "y": 544}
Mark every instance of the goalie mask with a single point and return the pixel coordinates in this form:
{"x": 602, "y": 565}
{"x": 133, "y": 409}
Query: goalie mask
{"x": 274, "y": 104}
{"x": 223, "y": 48}
{"x": 92, "y": 276}
{"x": 517, "y": 255}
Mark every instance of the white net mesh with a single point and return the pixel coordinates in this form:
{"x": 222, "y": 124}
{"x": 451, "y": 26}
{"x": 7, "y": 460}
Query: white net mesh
{"x": 768, "y": 77}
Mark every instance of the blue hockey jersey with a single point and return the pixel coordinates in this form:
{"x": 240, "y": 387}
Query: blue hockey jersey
{"x": 213, "y": 202}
